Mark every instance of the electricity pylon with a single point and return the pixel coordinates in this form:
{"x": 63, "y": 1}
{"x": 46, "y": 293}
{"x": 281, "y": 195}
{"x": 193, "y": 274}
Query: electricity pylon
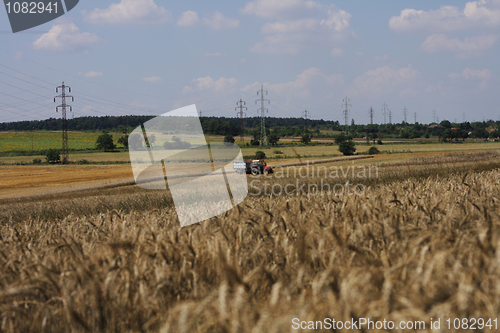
{"x": 384, "y": 109}
{"x": 65, "y": 153}
{"x": 263, "y": 137}
{"x": 346, "y": 113}
{"x": 305, "y": 114}
{"x": 241, "y": 113}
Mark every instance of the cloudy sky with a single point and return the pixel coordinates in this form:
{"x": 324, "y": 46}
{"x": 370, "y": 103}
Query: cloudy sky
{"x": 151, "y": 56}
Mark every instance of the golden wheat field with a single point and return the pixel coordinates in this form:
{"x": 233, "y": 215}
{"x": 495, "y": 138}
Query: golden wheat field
{"x": 419, "y": 245}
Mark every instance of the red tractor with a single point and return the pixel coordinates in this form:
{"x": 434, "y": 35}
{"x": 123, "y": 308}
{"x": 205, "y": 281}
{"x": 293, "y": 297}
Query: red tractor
{"x": 254, "y": 167}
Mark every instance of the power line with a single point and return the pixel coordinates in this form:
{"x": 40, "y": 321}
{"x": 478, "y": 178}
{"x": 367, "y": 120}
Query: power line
{"x": 241, "y": 113}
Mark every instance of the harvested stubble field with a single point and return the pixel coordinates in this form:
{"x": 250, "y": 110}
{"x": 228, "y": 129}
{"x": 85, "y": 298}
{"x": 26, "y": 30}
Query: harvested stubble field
{"x": 414, "y": 246}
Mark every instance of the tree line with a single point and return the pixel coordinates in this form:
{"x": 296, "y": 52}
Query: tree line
{"x": 276, "y": 127}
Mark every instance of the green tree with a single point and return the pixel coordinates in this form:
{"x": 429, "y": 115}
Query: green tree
{"x": 480, "y": 133}
{"x": 105, "y": 142}
{"x": 414, "y": 134}
{"x": 151, "y": 139}
{"x": 260, "y": 154}
{"x": 347, "y": 147}
{"x": 53, "y": 156}
{"x": 273, "y": 139}
{"x": 372, "y": 132}
{"x": 135, "y": 141}
{"x": 445, "y": 124}
{"x": 373, "y": 150}
{"x": 176, "y": 144}
{"x": 339, "y": 138}
{"x": 306, "y": 138}
{"x": 123, "y": 140}
{"x": 494, "y": 134}
{"x": 229, "y": 138}
{"x": 404, "y": 133}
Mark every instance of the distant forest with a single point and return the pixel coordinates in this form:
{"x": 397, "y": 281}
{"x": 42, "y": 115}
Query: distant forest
{"x": 211, "y": 125}
{"x": 279, "y": 126}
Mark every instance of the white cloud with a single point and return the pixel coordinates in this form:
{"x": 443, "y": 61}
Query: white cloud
{"x": 298, "y": 25}
{"x": 470, "y": 46}
{"x": 207, "y": 83}
{"x": 385, "y": 57}
{"x": 337, "y": 52}
{"x": 448, "y": 18}
{"x": 92, "y": 74}
{"x": 188, "y": 19}
{"x": 217, "y": 21}
{"x": 215, "y": 54}
{"x": 311, "y": 84}
{"x": 152, "y": 79}
{"x": 484, "y": 74}
{"x": 205, "y": 89}
{"x": 65, "y": 37}
{"x": 129, "y": 12}
{"x": 278, "y": 9}
{"x": 481, "y": 75}
{"x": 385, "y": 80}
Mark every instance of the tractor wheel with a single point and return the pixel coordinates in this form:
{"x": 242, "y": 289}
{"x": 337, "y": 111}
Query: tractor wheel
{"x": 268, "y": 171}
{"x": 255, "y": 171}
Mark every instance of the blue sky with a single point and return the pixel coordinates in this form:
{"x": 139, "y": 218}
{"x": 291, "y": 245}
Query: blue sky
{"x": 148, "y": 57}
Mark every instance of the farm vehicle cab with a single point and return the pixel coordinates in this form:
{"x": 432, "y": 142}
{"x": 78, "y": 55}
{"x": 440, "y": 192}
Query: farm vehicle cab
{"x": 254, "y": 167}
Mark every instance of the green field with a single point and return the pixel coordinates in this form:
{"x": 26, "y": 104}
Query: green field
{"x": 41, "y": 140}
{"x": 12, "y": 144}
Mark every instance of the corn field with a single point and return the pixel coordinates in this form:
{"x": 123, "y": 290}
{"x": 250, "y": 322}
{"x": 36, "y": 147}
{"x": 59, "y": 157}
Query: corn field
{"x": 413, "y": 249}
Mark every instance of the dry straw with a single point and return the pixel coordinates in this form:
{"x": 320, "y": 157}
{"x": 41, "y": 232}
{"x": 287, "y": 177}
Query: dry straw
{"x": 413, "y": 248}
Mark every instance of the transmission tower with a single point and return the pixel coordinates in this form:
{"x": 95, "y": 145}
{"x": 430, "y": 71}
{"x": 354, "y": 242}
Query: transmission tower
{"x": 346, "y": 113}
{"x": 415, "y": 116}
{"x": 434, "y": 115}
{"x": 463, "y": 117}
{"x": 305, "y": 114}
{"x": 370, "y": 112}
{"x": 384, "y": 109}
{"x": 65, "y": 153}
{"x": 405, "y": 110}
{"x": 241, "y": 113}
{"x": 390, "y": 117}
{"x": 262, "y": 115}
